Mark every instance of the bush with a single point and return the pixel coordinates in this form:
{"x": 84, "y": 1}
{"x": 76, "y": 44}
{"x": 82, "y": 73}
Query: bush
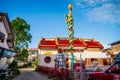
{"x": 36, "y": 63}
{"x": 14, "y": 67}
{"x": 10, "y": 77}
{"x": 55, "y": 79}
{"x": 26, "y": 65}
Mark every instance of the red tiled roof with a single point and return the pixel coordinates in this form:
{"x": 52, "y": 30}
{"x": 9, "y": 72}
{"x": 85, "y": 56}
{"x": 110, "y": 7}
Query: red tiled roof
{"x": 79, "y": 43}
{"x": 93, "y": 44}
{"x": 76, "y": 42}
{"x": 54, "y": 43}
{"x": 47, "y": 44}
{"x": 63, "y": 43}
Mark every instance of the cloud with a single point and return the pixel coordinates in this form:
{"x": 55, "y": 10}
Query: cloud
{"x": 100, "y": 10}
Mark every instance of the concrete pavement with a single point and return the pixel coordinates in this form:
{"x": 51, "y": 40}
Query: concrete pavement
{"x": 30, "y": 74}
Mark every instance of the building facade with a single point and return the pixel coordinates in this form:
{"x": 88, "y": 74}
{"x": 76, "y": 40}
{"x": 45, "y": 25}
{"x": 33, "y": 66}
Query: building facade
{"x": 115, "y": 47}
{"x": 33, "y": 54}
{"x": 90, "y": 50}
{"x": 6, "y": 41}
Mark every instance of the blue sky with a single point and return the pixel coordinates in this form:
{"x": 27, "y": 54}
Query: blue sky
{"x": 98, "y": 19}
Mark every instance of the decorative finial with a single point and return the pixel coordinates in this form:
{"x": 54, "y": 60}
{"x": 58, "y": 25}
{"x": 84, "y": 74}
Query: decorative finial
{"x": 70, "y": 6}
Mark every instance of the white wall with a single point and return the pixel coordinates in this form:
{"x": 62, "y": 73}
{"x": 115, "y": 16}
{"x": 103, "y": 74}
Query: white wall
{"x": 67, "y": 54}
{"x": 3, "y": 30}
{"x": 43, "y": 63}
{"x": 91, "y": 55}
{"x": 42, "y": 56}
{"x": 53, "y": 57}
{"x": 94, "y": 55}
{"x": 3, "y": 64}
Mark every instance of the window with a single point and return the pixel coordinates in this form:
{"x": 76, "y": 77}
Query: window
{"x": 2, "y": 36}
{"x": 105, "y": 62}
{"x": 0, "y": 19}
{"x": 1, "y": 51}
{"x": 94, "y": 61}
{"x": 47, "y": 59}
{"x": 8, "y": 53}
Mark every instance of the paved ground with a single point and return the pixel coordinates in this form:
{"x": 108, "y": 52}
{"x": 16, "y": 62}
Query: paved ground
{"x": 30, "y": 74}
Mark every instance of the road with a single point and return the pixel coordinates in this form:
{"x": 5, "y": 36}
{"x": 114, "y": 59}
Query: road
{"x": 30, "y": 74}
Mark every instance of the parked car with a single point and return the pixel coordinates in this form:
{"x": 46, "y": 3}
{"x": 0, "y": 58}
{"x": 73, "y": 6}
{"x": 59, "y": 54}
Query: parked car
{"x": 112, "y": 73}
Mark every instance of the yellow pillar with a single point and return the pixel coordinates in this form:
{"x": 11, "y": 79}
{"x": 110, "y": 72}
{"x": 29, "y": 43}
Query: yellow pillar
{"x": 100, "y": 61}
{"x": 88, "y": 61}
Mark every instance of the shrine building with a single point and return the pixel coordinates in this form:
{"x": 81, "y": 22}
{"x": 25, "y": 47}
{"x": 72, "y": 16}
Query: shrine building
{"x": 90, "y": 49}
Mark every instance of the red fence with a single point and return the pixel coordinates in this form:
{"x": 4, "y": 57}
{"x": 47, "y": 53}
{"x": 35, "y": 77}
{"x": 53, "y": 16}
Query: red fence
{"x": 62, "y": 74}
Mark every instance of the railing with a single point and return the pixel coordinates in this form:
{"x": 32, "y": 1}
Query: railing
{"x": 65, "y": 74}
{"x": 62, "y": 74}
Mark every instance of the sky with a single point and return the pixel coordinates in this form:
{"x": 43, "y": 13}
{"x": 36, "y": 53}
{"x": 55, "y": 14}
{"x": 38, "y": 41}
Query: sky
{"x": 98, "y": 19}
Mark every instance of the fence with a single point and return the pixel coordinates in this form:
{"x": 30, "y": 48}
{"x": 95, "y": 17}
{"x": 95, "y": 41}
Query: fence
{"x": 62, "y": 74}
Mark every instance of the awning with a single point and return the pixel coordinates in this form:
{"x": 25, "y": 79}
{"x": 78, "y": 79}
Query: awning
{"x": 6, "y": 53}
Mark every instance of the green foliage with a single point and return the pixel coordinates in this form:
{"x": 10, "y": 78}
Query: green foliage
{"x": 23, "y": 54}
{"x": 14, "y": 67}
{"x": 22, "y": 36}
{"x": 36, "y": 63}
{"x": 26, "y": 65}
{"x": 55, "y": 79}
{"x": 10, "y": 77}
{"x": 13, "y": 64}
{"x": 21, "y": 32}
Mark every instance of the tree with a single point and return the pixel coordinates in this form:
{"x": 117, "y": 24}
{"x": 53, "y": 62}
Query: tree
{"x": 22, "y": 37}
{"x": 23, "y": 55}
